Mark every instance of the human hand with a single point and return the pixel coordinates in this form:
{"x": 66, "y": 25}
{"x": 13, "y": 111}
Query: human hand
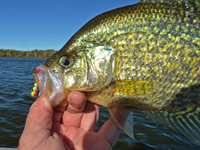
{"x": 67, "y": 127}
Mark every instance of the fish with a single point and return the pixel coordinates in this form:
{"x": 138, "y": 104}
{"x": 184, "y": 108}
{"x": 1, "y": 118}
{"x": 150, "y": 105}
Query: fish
{"x": 144, "y": 57}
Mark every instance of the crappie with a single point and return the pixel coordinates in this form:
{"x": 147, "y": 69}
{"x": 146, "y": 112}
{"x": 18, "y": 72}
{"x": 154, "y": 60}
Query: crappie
{"x": 144, "y": 56}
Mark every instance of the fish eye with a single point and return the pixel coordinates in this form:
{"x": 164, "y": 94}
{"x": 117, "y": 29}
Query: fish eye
{"x": 66, "y": 61}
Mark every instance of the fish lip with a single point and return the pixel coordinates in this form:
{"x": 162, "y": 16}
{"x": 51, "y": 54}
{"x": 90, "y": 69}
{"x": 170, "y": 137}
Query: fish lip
{"x": 39, "y": 79}
{"x": 50, "y": 85}
{"x": 34, "y": 75}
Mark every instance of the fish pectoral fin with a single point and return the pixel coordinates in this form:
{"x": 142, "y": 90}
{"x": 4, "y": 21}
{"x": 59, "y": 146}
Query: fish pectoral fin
{"x": 186, "y": 121}
{"x": 123, "y": 117}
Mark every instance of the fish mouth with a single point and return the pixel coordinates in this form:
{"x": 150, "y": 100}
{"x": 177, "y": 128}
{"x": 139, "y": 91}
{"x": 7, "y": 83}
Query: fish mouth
{"x": 50, "y": 85}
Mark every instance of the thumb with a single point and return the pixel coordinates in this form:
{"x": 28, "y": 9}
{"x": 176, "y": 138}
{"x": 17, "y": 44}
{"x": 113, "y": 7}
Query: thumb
{"x": 39, "y": 120}
{"x": 40, "y": 114}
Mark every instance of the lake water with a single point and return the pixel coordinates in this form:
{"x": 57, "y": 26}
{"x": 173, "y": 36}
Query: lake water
{"x": 16, "y": 82}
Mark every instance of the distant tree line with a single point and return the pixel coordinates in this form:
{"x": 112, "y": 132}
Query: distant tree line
{"x": 34, "y": 53}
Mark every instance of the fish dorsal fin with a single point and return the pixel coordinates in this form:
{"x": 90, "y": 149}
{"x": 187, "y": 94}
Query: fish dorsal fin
{"x": 123, "y": 117}
{"x": 187, "y": 122}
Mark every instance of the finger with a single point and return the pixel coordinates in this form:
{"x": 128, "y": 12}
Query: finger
{"x": 61, "y": 108}
{"x": 110, "y": 131}
{"x": 77, "y": 101}
{"x": 39, "y": 119}
{"x": 74, "y": 111}
{"x": 40, "y": 114}
{"x": 90, "y": 117}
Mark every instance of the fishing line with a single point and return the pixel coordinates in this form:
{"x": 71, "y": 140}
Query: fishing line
{"x": 16, "y": 36}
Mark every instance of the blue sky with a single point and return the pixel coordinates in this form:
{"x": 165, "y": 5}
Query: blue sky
{"x": 47, "y": 24}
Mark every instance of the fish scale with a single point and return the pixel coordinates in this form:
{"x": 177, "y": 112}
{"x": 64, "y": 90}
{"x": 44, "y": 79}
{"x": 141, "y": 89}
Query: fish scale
{"x": 144, "y": 56}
